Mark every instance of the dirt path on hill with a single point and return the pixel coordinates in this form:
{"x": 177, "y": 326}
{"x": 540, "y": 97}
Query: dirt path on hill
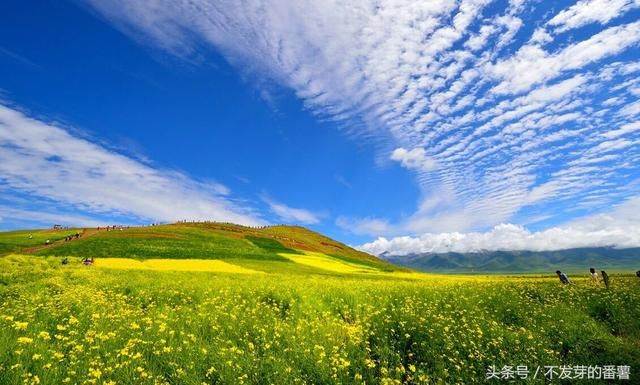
{"x": 85, "y": 233}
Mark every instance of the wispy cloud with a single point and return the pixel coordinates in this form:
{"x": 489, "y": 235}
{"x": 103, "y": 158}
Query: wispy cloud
{"x": 291, "y": 214}
{"x": 493, "y": 116}
{"x": 31, "y": 216}
{"x": 48, "y": 163}
{"x": 590, "y": 11}
{"x": 19, "y": 59}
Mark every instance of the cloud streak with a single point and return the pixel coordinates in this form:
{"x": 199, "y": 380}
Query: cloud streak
{"x": 291, "y": 214}
{"x": 60, "y": 170}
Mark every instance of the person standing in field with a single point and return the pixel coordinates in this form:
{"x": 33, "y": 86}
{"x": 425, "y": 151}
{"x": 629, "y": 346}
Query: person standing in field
{"x": 564, "y": 279}
{"x": 594, "y": 276}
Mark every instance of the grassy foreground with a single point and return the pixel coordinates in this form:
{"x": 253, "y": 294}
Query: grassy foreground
{"x": 143, "y": 325}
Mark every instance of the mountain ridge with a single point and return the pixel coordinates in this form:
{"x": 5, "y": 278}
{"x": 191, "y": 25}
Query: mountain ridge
{"x": 521, "y": 261}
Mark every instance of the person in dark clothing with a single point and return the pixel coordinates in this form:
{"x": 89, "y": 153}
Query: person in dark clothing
{"x": 605, "y": 278}
{"x": 564, "y": 279}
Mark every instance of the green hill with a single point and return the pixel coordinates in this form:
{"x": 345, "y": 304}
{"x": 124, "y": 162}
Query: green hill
{"x": 264, "y": 248}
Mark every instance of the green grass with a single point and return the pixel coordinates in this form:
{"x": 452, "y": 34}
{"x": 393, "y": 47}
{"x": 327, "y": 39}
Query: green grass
{"x": 270, "y": 245}
{"x": 162, "y": 242}
{"x": 200, "y": 241}
{"x": 13, "y": 241}
{"x": 148, "y": 327}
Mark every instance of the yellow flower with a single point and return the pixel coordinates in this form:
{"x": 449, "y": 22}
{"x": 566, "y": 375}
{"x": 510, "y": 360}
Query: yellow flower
{"x": 44, "y": 335}
{"x": 25, "y": 340}
{"x": 97, "y": 373}
{"x": 20, "y": 325}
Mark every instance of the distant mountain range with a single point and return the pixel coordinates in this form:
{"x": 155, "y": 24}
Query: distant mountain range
{"x": 573, "y": 260}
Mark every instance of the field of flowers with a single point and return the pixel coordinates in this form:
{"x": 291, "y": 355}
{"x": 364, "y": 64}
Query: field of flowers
{"x": 87, "y": 325}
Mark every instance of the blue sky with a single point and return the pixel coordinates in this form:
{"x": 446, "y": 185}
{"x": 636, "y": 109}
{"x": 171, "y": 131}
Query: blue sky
{"x": 398, "y": 125}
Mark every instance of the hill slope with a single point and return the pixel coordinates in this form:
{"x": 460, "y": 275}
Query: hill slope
{"x": 580, "y": 259}
{"x": 250, "y": 247}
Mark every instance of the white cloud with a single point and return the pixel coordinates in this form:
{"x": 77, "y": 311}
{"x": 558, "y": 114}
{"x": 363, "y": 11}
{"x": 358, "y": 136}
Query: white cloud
{"x": 532, "y": 65}
{"x": 541, "y": 36}
{"x": 414, "y": 159}
{"x": 364, "y": 226}
{"x": 291, "y": 214}
{"x": 47, "y": 218}
{"x": 590, "y": 11}
{"x": 623, "y": 130}
{"x": 620, "y": 228}
{"x": 613, "y": 101}
{"x": 631, "y": 109}
{"x": 44, "y": 160}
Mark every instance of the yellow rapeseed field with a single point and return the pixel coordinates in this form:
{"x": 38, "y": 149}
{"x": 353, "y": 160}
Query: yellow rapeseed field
{"x": 141, "y": 323}
{"x": 210, "y": 265}
{"x": 325, "y": 262}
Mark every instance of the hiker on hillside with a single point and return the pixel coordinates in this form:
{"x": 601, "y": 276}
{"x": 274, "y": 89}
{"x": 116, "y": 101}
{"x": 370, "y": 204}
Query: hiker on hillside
{"x": 594, "y": 276}
{"x": 564, "y": 279}
{"x": 65, "y": 261}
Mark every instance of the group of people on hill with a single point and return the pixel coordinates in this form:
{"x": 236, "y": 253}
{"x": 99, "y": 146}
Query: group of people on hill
{"x": 112, "y": 228}
{"x": 85, "y": 261}
{"x": 564, "y": 278}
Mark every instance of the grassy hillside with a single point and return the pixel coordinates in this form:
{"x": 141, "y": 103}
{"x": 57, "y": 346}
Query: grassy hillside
{"x": 244, "y": 245}
{"x": 16, "y": 241}
{"x": 144, "y": 324}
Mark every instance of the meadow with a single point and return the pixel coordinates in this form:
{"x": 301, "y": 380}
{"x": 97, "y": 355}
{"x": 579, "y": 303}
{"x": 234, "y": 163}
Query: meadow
{"x": 136, "y": 321}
